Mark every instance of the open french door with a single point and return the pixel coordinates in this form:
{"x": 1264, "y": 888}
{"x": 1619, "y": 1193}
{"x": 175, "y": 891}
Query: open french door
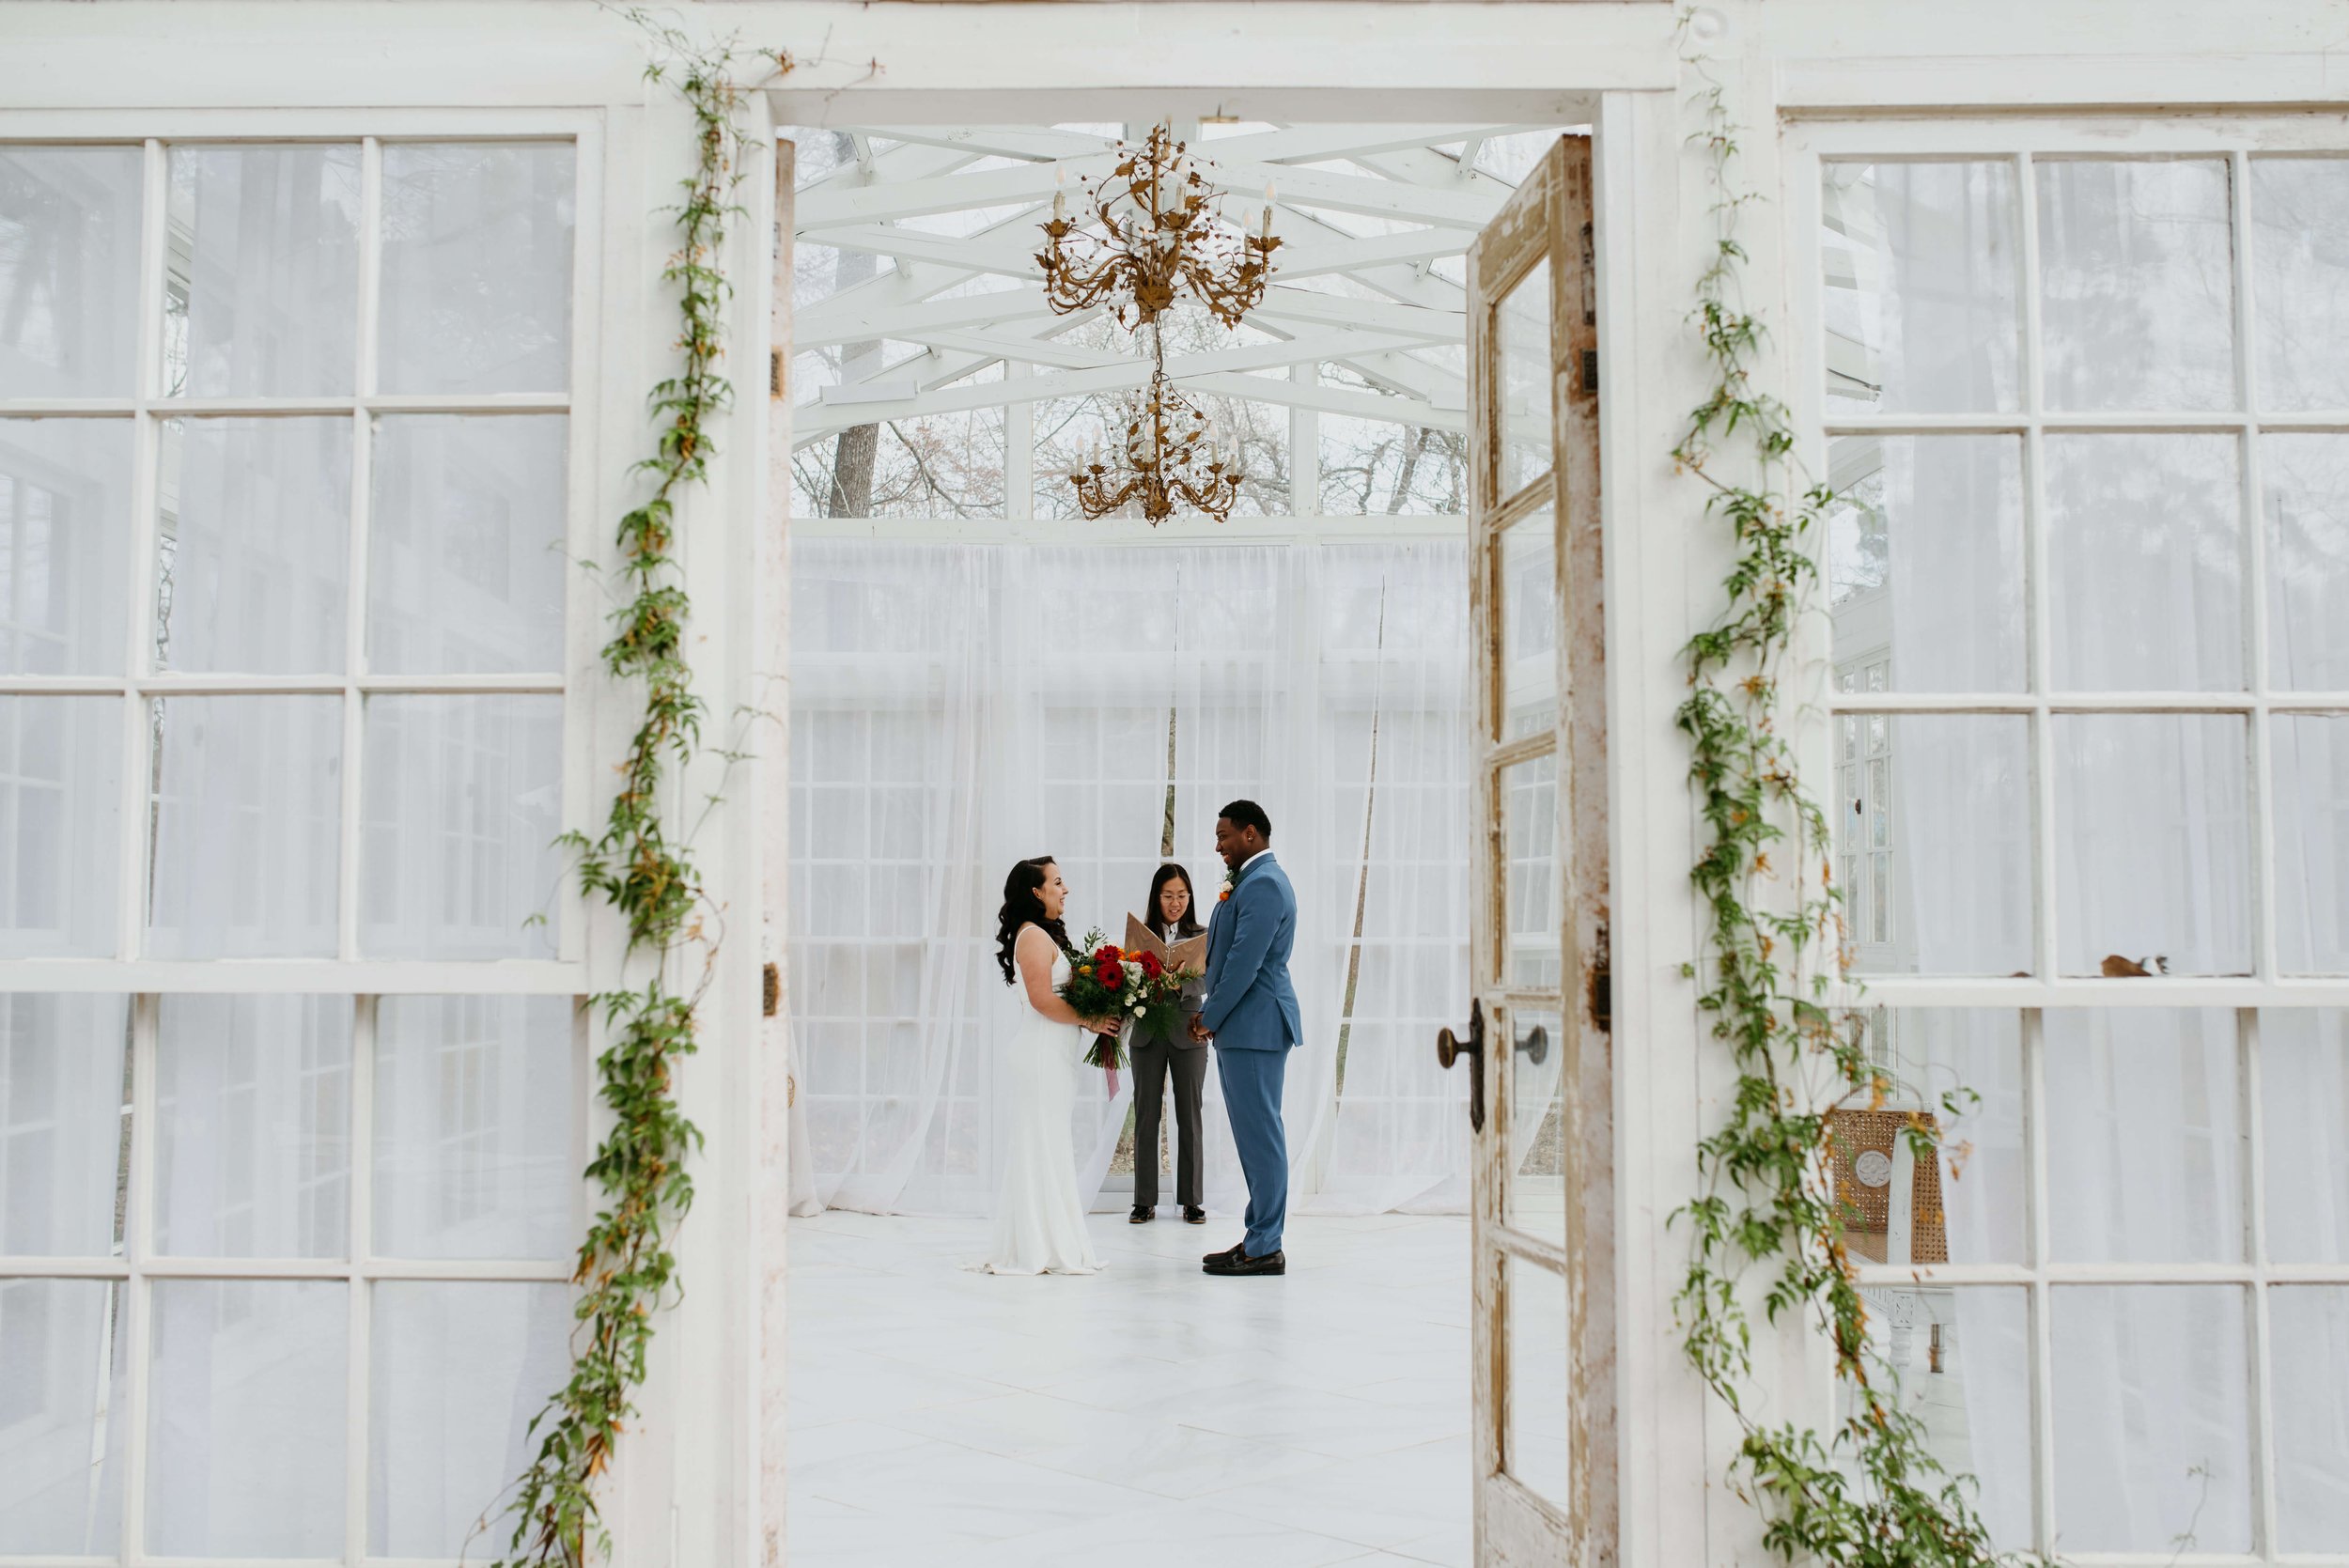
{"x": 1535, "y": 1050}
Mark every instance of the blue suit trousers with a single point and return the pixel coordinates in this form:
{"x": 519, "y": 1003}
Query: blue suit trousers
{"x": 1252, "y": 1097}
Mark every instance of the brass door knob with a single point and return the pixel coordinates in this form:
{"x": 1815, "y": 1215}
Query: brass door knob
{"x": 1450, "y": 1048}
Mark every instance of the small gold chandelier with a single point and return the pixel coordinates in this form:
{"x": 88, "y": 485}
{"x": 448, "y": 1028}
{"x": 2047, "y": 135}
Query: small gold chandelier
{"x": 1158, "y": 228}
{"x": 1169, "y": 456}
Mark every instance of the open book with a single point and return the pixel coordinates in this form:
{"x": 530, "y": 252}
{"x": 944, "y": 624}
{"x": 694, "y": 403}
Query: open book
{"x": 1188, "y": 954}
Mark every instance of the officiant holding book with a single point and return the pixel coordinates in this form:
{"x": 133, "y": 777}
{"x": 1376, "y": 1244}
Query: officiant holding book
{"x": 1173, "y": 926}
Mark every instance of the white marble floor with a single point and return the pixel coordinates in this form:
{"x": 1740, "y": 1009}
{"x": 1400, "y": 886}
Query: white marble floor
{"x": 1145, "y": 1416}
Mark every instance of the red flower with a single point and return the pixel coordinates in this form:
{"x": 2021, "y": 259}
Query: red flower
{"x": 1109, "y": 975}
{"x": 1108, "y": 954}
{"x": 1151, "y": 968}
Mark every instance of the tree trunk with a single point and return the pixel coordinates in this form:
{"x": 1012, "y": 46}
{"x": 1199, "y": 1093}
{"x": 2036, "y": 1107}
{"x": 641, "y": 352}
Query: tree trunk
{"x": 853, "y": 450}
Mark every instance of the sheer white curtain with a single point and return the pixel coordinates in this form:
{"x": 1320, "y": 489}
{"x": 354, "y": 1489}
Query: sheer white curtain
{"x": 959, "y": 707}
{"x": 2143, "y": 1119}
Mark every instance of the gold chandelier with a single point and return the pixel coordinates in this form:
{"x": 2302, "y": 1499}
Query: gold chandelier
{"x": 1156, "y": 230}
{"x": 1169, "y": 456}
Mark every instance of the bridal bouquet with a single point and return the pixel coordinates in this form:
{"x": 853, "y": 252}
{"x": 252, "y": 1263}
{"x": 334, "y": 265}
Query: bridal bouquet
{"x": 1106, "y": 979}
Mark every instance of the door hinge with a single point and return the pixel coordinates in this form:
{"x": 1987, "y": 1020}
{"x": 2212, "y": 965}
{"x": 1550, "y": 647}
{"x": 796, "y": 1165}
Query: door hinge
{"x": 774, "y": 372}
{"x": 1590, "y": 372}
{"x": 1603, "y": 999}
{"x": 770, "y": 990}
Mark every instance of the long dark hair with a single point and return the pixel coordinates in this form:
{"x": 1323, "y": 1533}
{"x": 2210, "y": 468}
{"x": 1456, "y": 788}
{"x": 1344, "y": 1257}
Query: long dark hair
{"x": 1189, "y": 926}
{"x": 1023, "y": 905}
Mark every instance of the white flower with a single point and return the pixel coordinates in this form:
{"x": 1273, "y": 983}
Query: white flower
{"x": 1137, "y": 1012}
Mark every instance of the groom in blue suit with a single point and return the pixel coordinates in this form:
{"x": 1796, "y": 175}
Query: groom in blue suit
{"x": 1251, "y": 1014}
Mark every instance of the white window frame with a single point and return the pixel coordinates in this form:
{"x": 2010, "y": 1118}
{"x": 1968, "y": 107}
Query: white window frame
{"x": 1857, "y": 136}
{"x": 587, "y": 948}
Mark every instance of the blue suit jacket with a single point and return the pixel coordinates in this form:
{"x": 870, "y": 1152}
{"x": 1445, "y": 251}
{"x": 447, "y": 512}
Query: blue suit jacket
{"x": 1251, "y": 1004}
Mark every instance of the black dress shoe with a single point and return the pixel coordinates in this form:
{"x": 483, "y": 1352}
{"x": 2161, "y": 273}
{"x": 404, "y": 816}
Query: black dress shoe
{"x": 1143, "y": 1214}
{"x": 1227, "y": 1254}
{"x": 1194, "y": 1215}
{"x": 1240, "y": 1263}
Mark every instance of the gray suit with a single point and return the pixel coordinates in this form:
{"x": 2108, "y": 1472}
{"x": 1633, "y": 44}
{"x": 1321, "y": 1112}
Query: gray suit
{"x": 1186, "y": 1060}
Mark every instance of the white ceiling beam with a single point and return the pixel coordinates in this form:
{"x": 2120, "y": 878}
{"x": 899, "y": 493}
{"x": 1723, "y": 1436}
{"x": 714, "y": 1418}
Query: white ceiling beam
{"x": 1428, "y": 324}
{"x": 825, "y": 206}
{"x": 818, "y": 422}
{"x": 1006, "y": 253}
{"x": 1418, "y": 165}
{"x": 852, "y": 317}
{"x": 828, "y": 205}
{"x": 1315, "y": 143}
{"x": 1330, "y": 399}
{"x": 864, "y": 321}
{"x": 1336, "y": 344}
{"x": 1037, "y": 142}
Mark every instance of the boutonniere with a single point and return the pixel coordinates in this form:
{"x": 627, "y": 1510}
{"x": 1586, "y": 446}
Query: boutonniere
{"x": 1231, "y": 881}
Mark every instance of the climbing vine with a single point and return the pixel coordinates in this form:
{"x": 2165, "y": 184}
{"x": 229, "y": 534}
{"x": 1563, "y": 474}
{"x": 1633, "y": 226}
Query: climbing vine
{"x": 1870, "y": 1493}
{"x": 627, "y": 1265}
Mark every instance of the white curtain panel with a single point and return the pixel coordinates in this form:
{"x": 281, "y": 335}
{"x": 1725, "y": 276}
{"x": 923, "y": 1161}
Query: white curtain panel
{"x": 2145, "y": 1122}
{"x": 958, "y": 708}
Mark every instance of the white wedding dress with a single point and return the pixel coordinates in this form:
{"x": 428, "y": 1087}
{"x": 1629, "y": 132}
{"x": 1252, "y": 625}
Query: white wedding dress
{"x": 1039, "y": 1218}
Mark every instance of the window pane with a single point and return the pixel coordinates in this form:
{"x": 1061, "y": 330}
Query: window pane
{"x": 1921, "y": 263}
{"x": 465, "y": 560}
{"x": 61, "y": 1416}
{"x": 64, "y": 1133}
{"x": 2144, "y": 1136}
{"x": 2151, "y": 1439}
{"x": 2300, "y": 284}
{"x": 2310, "y": 752}
{"x": 2310, "y": 1360}
{"x": 2137, "y": 284}
{"x": 478, "y": 267}
{"x": 262, "y": 276}
{"x": 1369, "y": 466}
{"x": 1959, "y": 1362}
{"x": 1537, "y": 1131}
{"x": 473, "y": 1127}
{"x": 937, "y": 465}
{"x": 1528, "y": 572}
{"x": 69, "y": 271}
{"x": 2145, "y": 556}
{"x": 2304, "y": 1093}
{"x": 244, "y": 1437}
{"x": 1539, "y": 1440}
{"x": 458, "y": 1370}
{"x": 2307, "y": 479}
{"x": 60, "y": 826}
{"x": 65, "y": 545}
{"x": 1974, "y": 1197}
{"x": 1528, "y": 827}
{"x": 1925, "y": 541}
{"x": 462, "y": 800}
{"x": 1521, "y": 332}
{"x": 253, "y": 1126}
{"x": 1948, "y": 800}
{"x": 2152, "y": 848}
{"x": 252, "y": 545}
{"x": 246, "y": 813}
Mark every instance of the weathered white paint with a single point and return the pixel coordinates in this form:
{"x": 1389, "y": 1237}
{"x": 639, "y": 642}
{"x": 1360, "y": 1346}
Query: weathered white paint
{"x": 695, "y": 1470}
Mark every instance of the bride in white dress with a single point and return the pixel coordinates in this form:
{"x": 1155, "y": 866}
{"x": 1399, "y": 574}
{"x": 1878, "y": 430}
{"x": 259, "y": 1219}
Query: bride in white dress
{"x": 1039, "y": 1218}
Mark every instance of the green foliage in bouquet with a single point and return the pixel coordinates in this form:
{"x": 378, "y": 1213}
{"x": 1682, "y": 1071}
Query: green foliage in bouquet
{"x": 1109, "y": 981}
